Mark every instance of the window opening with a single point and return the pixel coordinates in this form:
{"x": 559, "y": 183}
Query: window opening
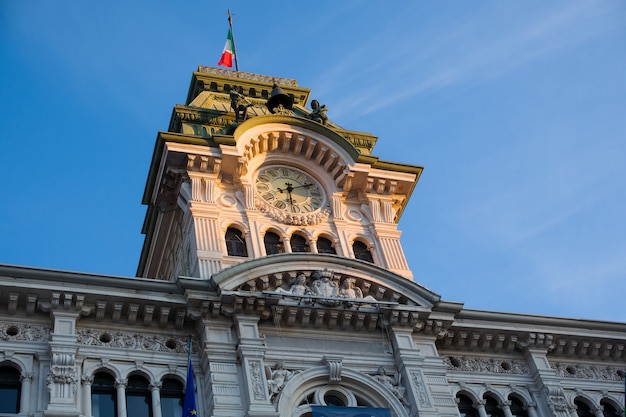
{"x": 138, "y": 397}
{"x": 299, "y": 244}
{"x": 325, "y": 246}
{"x": 466, "y": 407}
{"x": 235, "y": 243}
{"x": 362, "y": 252}
{"x": 10, "y": 390}
{"x": 103, "y": 396}
{"x": 172, "y": 395}
{"x": 273, "y": 244}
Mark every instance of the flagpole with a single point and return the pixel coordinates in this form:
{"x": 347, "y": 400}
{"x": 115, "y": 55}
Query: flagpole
{"x": 230, "y": 24}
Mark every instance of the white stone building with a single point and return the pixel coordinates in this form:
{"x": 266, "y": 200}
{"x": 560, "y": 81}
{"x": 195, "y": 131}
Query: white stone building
{"x": 272, "y": 242}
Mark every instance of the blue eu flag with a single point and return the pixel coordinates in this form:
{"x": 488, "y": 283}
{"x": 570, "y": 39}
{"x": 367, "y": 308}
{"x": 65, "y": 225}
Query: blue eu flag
{"x": 189, "y": 403}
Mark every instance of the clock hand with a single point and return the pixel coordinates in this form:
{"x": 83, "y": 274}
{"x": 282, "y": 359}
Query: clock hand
{"x": 302, "y": 186}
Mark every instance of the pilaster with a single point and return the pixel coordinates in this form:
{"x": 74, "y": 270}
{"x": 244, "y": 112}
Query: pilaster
{"x": 423, "y": 375}
{"x": 548, "y": 383}
{"x": 219, "y": 361}
{"x": 62, "y": 380}
{"x": 251, "y": 351}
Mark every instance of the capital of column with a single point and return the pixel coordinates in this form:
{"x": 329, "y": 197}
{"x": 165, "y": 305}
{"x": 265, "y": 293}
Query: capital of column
{"x": 156, "y": 386}
{"x": 121, "y": 383}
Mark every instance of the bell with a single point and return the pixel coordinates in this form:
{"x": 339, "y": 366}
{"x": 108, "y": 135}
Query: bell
{"x": 279, "y": 97}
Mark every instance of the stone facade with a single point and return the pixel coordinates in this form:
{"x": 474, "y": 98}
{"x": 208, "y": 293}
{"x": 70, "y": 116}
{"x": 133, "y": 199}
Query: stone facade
{"x": 326, "y": 314}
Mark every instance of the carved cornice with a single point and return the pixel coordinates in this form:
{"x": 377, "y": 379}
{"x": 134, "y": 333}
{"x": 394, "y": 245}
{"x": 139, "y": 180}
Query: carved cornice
{"x": 555, "y": 346}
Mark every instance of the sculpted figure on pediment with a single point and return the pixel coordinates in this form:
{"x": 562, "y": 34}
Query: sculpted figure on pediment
{"x": 299, "y": 287}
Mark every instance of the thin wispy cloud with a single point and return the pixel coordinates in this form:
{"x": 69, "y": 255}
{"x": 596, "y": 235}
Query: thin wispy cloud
{"x": 483, "y": 55}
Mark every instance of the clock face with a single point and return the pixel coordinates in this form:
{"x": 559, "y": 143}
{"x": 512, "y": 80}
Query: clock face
{"x": 289, "y": 189}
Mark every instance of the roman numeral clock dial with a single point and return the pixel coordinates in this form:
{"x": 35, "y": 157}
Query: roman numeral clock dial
{"x": 291, "y": 192}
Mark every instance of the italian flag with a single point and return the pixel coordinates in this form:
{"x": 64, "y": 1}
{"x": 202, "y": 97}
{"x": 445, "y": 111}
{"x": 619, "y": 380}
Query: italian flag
{"x": 229, "y": 51}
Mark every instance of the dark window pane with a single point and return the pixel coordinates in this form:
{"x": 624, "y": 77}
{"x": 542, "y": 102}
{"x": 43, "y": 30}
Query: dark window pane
{"x": 325, "y": 246}
{"x": 138, "y": 397}
{"x": 608, "y": 410}
{"x": 492, "y": 408}
{"x": 517, "y": 408}
{"x": 10, "y": 390}
{"x": 466, "y": 407}
{"x": 582, "y": 408}
{"x": 299, "y": 244}
{"x": 103, "y": 396}
{"x": 273, "y": 244}
{"x": 362, "y": 252}
{"x": 235, "y": 243}
{"x": 172, "y": 394}
{"x": 103, "y": 405}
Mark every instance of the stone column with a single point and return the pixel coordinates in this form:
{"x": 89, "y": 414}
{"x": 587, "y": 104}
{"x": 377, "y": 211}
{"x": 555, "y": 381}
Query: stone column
{"x": 26, "y": 379}
{"x": 287, "y": 245}
{"x": 531, "y": 409}
{"x": 87, "y": 381}
{"x": 598, "y": 411}
{"x": 480, "y": 406}
{"x": 313, "y": 246}
{"x": 121, "y": 397}
{"x": 156, "y": 399}
{"x": 506, "y": 408}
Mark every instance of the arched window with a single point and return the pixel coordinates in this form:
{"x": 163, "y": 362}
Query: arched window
{"x": 517, "y": 407}
{"x": 492, "y": 407}
{"x": 172, "y": 395}
{"x": 235, "y": 242}
{"x": 466, "y": 406}
{"x": 103, "y": 396}
{"x": 582, "y": 408}
{"x": 299, "y": 244}
{"x": 273, "y": 244}
{"x": 10, "y": 390}
{"x": 138, "y": 397}
{"x": 325, "y": 246}
{"x": 361, "y": 251}
{"x": 608, "y": 410}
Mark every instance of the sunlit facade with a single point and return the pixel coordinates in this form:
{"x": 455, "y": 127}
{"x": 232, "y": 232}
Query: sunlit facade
{"x": 272, "y": 250}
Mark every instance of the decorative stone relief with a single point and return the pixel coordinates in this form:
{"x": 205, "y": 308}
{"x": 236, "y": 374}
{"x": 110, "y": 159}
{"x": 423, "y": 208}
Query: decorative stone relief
{"x": 255, "y": 379}
{"x": 494, "y": 366}
{"x": 277, "y": 378}
{"x": 420, "y": 389}
{"x": 155, "y": 343}
{"x": 26, "y": 332}
{"x": 62, "y": 379}
{"x": 577, "y": 370}
{"x": 392, "y": 383}
{"x": 328, "y": 288}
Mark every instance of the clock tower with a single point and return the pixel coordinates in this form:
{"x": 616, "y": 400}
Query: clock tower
{"x": 247, "y": 171}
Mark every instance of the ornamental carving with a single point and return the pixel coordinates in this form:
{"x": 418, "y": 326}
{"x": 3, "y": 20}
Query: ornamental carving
{"x": 392, "y": 383}
{"x": 420, "y": 389}
{"x": 327, "y": 288}
{"x": 578, "y": 370}
{"x": 494, "y": 366}
{"x": 255, "y": 378}
{"x": 277, "y": 378}
{"x": 297, "y": 219}
{"x": 155, "y": 343}
{"x": 24, "y": 332}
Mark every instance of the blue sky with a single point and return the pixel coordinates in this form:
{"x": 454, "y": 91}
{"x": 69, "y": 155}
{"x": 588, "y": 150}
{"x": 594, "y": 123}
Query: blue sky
{"x": 517, "y": 111}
